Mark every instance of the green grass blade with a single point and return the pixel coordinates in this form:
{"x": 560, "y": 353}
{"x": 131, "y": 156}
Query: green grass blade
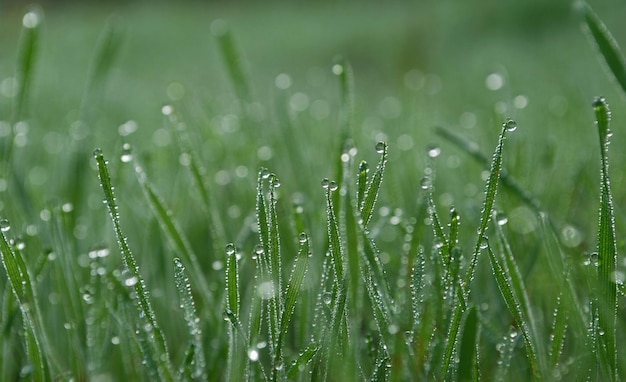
{"x": 232, "y": 59}
{"x": 135, "y": 280}
{"x": 490, "y": 195}
{"x": 512, "y": 300}
{"x": 334, "y": 238}
{"x": 606, "y": 44}
{"x": 559, "y": 331}
{"x": 20, "y": 282}
{"x": 303, "y": 359}
{"x": 367, "y": 208}
{"x": 232, "y": 280}
{"x": 291, "y": 295}
{"x": 197, "y": 363}
{"x": 362, "y": 182}
{"x": 107, "y": 51}
{"x": 175, "y": 235}
{"x": 468, "y": 352}
{"x": 343, "y": 69}
{"x": 508, "y": 181}
{"x": 26, "y": 60}
{"x": 607, "y": 246}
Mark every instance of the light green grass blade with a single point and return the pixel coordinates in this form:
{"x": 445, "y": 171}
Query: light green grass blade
{"x": 343, "y": 69}
{"x": 369, "y": 200}
{"x": 135, "y": 280}
{"x": 303, "y": 359}
{"x": 196, "y": 363}
{"x": 362, "y": 182}
{"x": 607, "y": 246}
{"x": 27, "y": 55}
{"x": 176, "y": 236}
{"x": 107, "y": 51}
{"x": 334, "y": 239}
{"x": 512, "y": 300}
{"x": 20, "y": 281}
{"x": 508, "y": 181}
{"x": 558, "y": 334}
{"x": 468, "y": 352}
{"x": 291, "y": 295}
{"x": 490, "y": 195}
{"x": 606, "y": 44}
{"x": 232, "y": 281}
{"x": 233, "y": 60}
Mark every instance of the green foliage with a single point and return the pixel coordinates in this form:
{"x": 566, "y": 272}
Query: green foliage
{"x": 236, "y": 277}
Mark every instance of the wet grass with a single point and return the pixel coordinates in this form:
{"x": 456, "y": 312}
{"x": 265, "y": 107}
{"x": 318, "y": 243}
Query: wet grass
{"x": 249, "y": 238}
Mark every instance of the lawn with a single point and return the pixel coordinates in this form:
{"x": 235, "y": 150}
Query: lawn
{"x": 330, "y": 191}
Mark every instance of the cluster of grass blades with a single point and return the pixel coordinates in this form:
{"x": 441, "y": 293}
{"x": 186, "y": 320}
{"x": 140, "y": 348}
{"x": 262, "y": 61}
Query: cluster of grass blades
{"x": 287, "y": 307}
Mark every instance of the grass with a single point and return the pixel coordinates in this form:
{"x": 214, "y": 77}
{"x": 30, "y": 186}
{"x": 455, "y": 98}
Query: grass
{"x": 249, "y": 238}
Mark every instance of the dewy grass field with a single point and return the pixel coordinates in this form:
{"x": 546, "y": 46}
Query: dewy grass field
{"x": 321, "y": 192}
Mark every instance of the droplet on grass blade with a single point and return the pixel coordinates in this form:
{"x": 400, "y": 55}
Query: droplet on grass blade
{"x": 230, "y": 249}
{"x": 511, "y": 125}
{"x": 433, "y": 151}
{"x": 5, "y": 225}
{"x": 426, "y": 183}
{"x": 325, "y": 183}
{"x": 380, "y": 147}
{"x": 127, "y": 154}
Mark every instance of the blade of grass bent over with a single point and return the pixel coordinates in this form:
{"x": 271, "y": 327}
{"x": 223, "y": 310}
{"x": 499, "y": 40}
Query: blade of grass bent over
{"x": 146, "y": 313}
{"x": 607, "y": 246}
{"x": 606, "y": 44}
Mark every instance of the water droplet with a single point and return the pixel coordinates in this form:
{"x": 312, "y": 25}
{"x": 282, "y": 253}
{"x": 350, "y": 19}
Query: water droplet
{"x": 433, "y": 151}
{"x": 327, "y": 298}
{"x": 4, "y": 225}
{"x": 127, "y": 155}
{"x": 275, "y": 182}
{"x": 337, "y": 69}
{"x": 363, "y": 167}
{"x": 265, "y": 173}
{"x": 484, "y": 242}
{"x": 253, "y": 354}
{"x": 380, "y": 147}
{"x": 593, "y": 259}
{"x": 302, "y": 238}
{"x": 426, "y": 183}
{"x": 167, "y": 110}
{"x": 438, "y": 243}
{"x": 332, "y": 185}
{"x": 230, "y": 249}
{"x": 599, "y": 102}
{"x": 30, "y": 20}
{"x": 501, "y": 218}
{"x": 97, "y": 153}
{"x": 511, "y": 125}
{"x": 325, "y": 183}
{"x": 131, "y": 281}
{"x": 258, "y": 249}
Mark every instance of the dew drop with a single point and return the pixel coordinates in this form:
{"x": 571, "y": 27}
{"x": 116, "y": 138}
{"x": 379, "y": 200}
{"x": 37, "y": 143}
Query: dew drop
{"x": 4, "y": 225}
{"x": 325, "y": 183}
{"x": 131, "y": 281}
{"x": 230, "y": 249}
{"x": 97, "y": 153}
{"x": 258, "y": 249}
{"x": 511, "y": 125}
{"x": 438, "y": 244}
{"x": 327, "y": 298}
{"x": 363, "y": 167}
{"x": 426, "y": 183}
{"x": 593, "y": 259}
{"x": 127, "y": 155}
{"x": 302, "y": 238}
{"x": 501, "y": 218}
{"x": 484, "y": 242}
{"x": 253, "y": 354}
{"x": 275, "y": 182}
{"x": 337, "y": 69}
{"x": 433, "y": 151}
{"x": 332, "y": 185}
{"x": 167, "y": 110}
{"x": 265, "y": 173}
{"x": 380, "y": 147}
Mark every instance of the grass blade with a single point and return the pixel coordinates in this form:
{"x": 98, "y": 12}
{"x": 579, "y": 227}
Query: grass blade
{"x": 291, "y": 295}
{"x": 468, "y": 353}
{"x": 512, "y": 300}
{"x": 232, "y": 59}
{"x": 20, "y": 281}
{"x": 146, "y": 313}
{"x": 303, "y": 359}
{"x": 559, "y": 331}
{"x": 196, "y": 363}
{"x": 26, "y": 60}
{"x": 175, "y": 235}
{"x": 606, "y": 44}
{"x": 369, "y": 200}
{"x": 490, "y": 195}
{"x": 607, "y": 246}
